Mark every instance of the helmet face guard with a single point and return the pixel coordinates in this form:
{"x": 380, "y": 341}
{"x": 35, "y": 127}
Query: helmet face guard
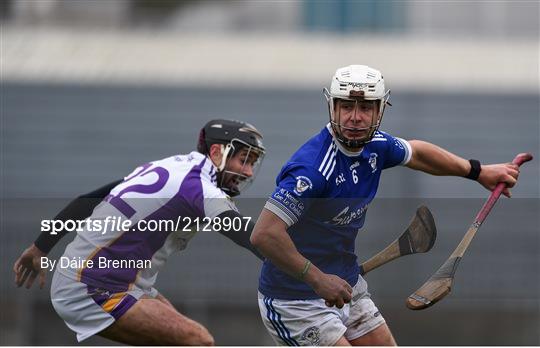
{"x": 236, "y": 139}
{"x": 231, "y": 177}
{"x": 355, "y": 120}
{"x": 356, "y": 102}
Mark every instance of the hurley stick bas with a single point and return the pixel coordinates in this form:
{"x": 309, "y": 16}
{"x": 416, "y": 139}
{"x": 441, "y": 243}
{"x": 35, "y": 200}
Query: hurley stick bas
{"x": 440, "y": 283}
{"x": 419, "y": 237}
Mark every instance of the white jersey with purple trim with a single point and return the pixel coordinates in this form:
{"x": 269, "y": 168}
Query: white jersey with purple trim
{"x": 172, "y": 192}
{"x": 322, "y": 194}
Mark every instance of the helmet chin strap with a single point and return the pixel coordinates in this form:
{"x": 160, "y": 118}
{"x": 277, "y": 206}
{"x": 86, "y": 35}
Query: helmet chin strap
{"x": 225, "y": 150}
{"x": 353, "y": 143}
{"x": 352, "y": 128}
{"x": 225, "y": 153}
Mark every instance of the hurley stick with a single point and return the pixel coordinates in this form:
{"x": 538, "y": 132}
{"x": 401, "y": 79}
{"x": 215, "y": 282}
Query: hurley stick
{"x": 440, "y": 283}
{"x": 419, "y": 237}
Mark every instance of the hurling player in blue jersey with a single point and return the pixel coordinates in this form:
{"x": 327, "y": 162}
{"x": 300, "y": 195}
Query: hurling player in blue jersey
{"x": 310, "y": 291}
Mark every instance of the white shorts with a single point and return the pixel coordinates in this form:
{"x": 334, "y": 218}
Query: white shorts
{"x": 88, "y": 310}
{"x": 312, "y": 323}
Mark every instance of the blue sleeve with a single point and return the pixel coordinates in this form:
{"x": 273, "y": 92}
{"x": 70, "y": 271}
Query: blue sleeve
{"x": 398, "y": 151}
{"x": 297, "y": 185}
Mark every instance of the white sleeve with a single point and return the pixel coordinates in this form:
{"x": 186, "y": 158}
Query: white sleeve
{"x": 408, "y": 151}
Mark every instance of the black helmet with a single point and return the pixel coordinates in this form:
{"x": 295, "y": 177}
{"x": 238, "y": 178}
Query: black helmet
{"x": 235, "y": 136}
{"x": 224, "y": 131}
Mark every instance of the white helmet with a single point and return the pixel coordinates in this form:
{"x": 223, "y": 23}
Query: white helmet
{"x": 358, "y": 84}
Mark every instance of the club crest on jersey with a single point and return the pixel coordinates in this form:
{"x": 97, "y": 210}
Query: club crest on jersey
{"x": 373, "y": 162}
{"x": 303, "y": 184}
{"x": 312, "y": 335}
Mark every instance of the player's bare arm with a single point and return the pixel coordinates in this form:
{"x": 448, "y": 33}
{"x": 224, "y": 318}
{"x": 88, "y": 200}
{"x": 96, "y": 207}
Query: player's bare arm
{"x": 270, "y": 237}
{"x": 435, "y": 160}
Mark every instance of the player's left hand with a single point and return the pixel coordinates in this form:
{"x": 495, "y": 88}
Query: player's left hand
{"x": 28, "y": 267}
{"x": 492, "y": 174}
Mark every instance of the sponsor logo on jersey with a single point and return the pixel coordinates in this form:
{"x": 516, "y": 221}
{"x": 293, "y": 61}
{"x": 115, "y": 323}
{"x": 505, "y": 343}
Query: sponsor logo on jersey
{"x": 303, "y": 184}
{"x": 373, "y": 162}
{"x": 340, "y": 179}
{"x": 312, "y": 335}
{"x": 354, "y": 165}
{"x": 345, "y": 216}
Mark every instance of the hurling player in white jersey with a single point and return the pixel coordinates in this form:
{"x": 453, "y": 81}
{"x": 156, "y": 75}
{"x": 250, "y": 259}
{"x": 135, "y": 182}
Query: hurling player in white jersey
{"x": 120, "y": 303}
{"x": 310, "y": 290}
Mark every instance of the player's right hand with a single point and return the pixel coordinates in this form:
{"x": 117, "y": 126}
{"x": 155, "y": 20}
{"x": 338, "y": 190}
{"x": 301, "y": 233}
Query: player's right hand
{"x": 492, "y": 174}
{"x": 28, "y": 267}
{"x": 334, "y": 290}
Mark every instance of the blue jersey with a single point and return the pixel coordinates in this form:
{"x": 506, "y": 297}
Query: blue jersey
{"x": 322, "y": 194}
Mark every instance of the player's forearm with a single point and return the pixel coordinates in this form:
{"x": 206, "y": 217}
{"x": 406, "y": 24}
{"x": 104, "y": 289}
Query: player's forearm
{"x": 278, "y": 247}
{"x": 435, "y": 160}
{"x": 78, "y": 209}
{"x": 270, "y": 237}
{"x": 280, "y": 250}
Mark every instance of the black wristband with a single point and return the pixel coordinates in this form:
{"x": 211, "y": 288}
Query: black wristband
{"x": 476, "y": 167}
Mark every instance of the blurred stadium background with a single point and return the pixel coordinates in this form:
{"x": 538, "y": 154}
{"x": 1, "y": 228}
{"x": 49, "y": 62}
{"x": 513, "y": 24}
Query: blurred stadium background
{"x": 90, "y": 89}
